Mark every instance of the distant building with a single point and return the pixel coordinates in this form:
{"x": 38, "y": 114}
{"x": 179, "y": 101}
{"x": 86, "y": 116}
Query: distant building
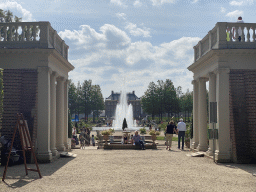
{"x": 113, "y": 99}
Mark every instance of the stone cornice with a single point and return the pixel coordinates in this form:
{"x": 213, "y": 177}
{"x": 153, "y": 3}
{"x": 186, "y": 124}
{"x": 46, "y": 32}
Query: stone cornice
{"x": 47, "y": 52}
{"x": 212, "y": 54}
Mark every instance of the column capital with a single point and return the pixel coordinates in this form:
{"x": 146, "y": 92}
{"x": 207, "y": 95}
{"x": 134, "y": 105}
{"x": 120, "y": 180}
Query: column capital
{"x": 60, "y": 78}
{"x": 203, "y": 79}
{"x": 194, "y": 81}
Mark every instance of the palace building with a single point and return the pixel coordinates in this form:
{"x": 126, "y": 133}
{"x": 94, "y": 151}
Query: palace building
{"x": 113, "y": 99}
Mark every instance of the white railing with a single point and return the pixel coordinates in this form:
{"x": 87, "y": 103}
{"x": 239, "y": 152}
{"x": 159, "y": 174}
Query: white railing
{"x": 31, "y": 35}
{"x": 227, "y": 36}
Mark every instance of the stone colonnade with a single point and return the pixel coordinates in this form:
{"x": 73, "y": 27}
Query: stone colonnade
{"x": 218, "y": 92}
{"x": 52, "y": 132}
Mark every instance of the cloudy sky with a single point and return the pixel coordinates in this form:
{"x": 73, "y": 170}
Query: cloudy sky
{"x": 137, "y": 40}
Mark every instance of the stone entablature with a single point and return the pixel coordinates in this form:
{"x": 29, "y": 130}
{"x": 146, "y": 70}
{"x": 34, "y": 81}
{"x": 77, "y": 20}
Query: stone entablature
{"x": 217, "y": 38}
{"x": 21, "y": 37}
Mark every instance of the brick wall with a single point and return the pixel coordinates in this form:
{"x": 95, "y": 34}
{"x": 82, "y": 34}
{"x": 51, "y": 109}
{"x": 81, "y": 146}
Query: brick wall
{"x": 243, "y": 115}
{"x": 20, "y": 96}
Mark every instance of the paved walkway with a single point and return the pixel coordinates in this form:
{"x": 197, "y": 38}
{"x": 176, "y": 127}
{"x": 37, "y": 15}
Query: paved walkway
{"x": 132, "y": 170}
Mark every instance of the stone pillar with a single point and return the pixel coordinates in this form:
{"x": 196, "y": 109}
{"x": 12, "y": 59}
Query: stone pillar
{"x": 66, "y": 143}
{"x": 195, "y": 115}
{"x": 53, "y": 114}
{"x": 202, "y": 116}
{"x": 212, "y": 98}
{"x": 223, "y": 144}
{"x": 43, "y": 132}
{"x": 60, "y": 114}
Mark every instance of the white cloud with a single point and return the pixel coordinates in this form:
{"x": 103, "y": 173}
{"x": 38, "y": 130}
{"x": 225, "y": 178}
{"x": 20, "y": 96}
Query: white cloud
{"x": 121, "y": 16}
{"x": 241, "y": 3}
{"x": 118, "y": 2}
{"x": 14, "y": 6}
{"x": 236, "y": 3}
{"x": 222, "y": 10}
{"x": 140, "y": 62}
{"x": 87, "y": 38}
{"x": 136, "y": 31}
{"x": 137, "y": 3}
{"x": 160, "y": 2}
{"x": 234, "y": 14}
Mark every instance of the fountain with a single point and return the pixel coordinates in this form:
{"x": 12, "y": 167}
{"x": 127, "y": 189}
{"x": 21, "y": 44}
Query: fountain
{"x": 123, "y": 110}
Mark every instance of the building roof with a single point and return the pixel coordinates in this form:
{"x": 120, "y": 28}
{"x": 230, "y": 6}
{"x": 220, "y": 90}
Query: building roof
{"x": 116, "y": 96}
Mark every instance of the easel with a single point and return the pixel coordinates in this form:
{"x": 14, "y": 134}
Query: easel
{"x": 26, "y": 144}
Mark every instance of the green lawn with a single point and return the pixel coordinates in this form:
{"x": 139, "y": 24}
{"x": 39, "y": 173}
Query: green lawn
{"x": 162, "y": 138}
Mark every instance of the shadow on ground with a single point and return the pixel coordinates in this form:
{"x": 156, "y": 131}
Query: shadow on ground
{"x": 250, "y": 168}
{"x": 16, "y": 176}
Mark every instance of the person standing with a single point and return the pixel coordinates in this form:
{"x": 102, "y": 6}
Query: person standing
{"x": 181, "y": 128}
{"x": 239, "y": 30}
{"x": 170, "y": 129}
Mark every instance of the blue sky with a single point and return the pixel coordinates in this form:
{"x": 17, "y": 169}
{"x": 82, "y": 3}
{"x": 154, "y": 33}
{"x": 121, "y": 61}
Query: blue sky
{"x": 139, "y": 40}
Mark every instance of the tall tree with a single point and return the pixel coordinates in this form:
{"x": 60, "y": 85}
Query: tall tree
{"x": 72, "y": 97}
{"x": 97, "y": 101}
{"x": 149, "y": 99}
{"x": 86, "y": 95}
{"x": 171, "y": 100}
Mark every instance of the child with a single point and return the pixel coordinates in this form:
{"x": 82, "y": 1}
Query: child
{"x": 82, "y": 141}
{"x": 93, "y": 141}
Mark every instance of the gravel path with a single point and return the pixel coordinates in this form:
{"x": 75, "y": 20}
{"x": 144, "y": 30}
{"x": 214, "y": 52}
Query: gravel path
{"x": 121, "y": 170}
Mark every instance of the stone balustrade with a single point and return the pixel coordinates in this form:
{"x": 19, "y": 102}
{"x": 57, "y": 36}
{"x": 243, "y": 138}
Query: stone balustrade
{"x": 217, "y": 38}
{"x": 31, "y": 35}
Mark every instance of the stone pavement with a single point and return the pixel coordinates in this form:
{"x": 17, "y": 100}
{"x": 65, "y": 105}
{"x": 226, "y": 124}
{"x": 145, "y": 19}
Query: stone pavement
{"x": 132, "y": 170}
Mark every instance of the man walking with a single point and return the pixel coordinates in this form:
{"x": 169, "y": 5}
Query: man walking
{"x": 181, "y": 128}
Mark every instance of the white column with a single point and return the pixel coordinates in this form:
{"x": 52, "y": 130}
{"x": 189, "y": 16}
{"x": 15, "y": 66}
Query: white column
{"x": 195, "y": 115}
{"x": 60, "y": 114}
{"x": 223, "y": 145}
{"x": 43, "y": 132}
{"x": 202, "y": 116}
{"x": 53, "y": 114}
{"x": 66, "y": 143}
{"x": 212, "y": 98}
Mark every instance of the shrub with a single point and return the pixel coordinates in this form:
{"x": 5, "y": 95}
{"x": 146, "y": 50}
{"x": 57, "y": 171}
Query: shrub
{"x": 143, "y": 130}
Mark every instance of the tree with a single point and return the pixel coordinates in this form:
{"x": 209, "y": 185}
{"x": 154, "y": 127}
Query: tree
{"x": 72, "y": 97}
{"x": 171, "y": 102}
{"x": 149, "y": 99}
{"x": 86, "y": 96}
{"x": 97, "y": 101}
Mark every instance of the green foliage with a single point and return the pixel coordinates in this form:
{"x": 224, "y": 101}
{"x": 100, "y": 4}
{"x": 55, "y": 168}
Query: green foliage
{"x": 143, "y": 130}
{"x": 163, "y": 97}
{"x": 162, "y": 126}
{"x": 85, "y": 98}
{"x": 124, "y": 124}
{"x": 106, "y": 132}
{"x": 154, "y": 132}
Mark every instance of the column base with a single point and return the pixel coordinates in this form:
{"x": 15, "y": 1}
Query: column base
{"x": 202, "y": 147}
{"x": 194, "y": 145}
{"x": 68, "y": 146}
{"x": 222, "y": 157}
{"x": 209, "y": 152}
{"x": 44, "y": 157}
{"x": 61, "y": 147}
{"x": 54, "y": 152}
